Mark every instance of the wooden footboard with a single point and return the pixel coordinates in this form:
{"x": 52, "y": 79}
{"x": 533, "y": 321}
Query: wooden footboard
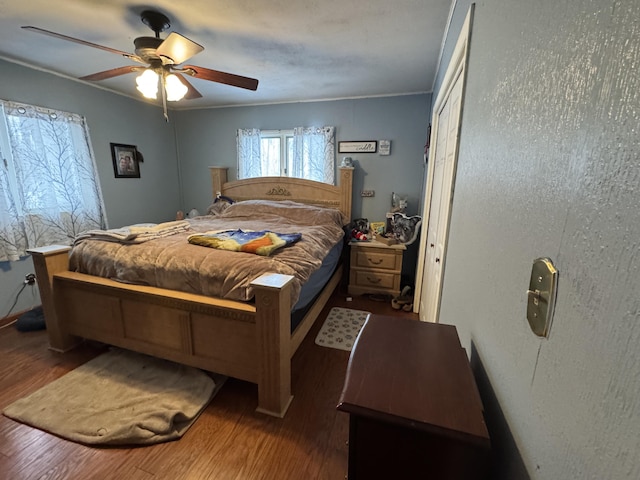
{"x": 245, "y": 341}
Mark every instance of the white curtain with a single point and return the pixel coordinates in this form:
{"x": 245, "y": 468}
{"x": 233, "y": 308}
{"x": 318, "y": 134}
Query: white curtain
{"x": 249, "y": 157}
{"x": 49, "y": 188}
{"x": 11, "y": 237}
{"x": 313, "y": 154}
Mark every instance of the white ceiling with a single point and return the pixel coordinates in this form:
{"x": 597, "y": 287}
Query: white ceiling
{"x": 299, "y": 50}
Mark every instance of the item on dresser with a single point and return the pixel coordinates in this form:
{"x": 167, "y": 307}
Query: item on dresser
{"x": 404, "y": 228}
{"x": 377, "y": 228}
{"x": 399, "y": 202}
{"x": 387, "y": 240}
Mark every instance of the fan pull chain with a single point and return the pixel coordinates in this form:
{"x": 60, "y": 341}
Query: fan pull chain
{"x": 164, "y": 97}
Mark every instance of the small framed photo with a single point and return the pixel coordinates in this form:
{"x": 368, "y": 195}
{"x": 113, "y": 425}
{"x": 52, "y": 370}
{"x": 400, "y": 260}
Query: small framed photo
{"x": 125, "y": 160}
{"x": 385, "y": 147}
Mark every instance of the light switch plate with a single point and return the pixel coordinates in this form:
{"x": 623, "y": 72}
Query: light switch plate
{"x": 541, "y": 296}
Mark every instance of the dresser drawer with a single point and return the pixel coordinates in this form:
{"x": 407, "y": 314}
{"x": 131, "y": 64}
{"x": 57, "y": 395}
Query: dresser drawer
{"x": 377, "y": 279}
{"x": 379, "y": 259}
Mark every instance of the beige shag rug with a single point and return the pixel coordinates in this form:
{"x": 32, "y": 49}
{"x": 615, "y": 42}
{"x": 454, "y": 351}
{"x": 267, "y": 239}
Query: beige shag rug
{"x": 119, "y": 398}
{"x": 341, "y": 328}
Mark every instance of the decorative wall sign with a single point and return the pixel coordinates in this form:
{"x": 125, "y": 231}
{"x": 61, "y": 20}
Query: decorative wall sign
{"x": 367, "y": 146}
{"x": 385, "y": 147}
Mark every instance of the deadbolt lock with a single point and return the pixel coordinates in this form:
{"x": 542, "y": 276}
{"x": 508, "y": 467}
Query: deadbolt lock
{"x": 541, "y": 296}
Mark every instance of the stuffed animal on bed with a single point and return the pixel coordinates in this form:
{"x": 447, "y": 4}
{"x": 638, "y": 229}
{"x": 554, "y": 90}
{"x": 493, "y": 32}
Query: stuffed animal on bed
{"x": 219, "y": 205}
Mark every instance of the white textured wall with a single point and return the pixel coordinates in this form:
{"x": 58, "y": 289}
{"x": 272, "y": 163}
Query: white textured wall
{"x": 550, "y": 166}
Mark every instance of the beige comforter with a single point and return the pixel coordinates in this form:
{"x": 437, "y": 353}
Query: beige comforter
{"x": 172, "y": 262}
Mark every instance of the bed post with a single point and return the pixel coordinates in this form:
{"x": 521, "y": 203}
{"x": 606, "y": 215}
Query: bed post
{"x": 48, "y": 261}
{"x": 273, "y": 338}
{"x": 218, "y": 179}
{"x": 346, "y": 186}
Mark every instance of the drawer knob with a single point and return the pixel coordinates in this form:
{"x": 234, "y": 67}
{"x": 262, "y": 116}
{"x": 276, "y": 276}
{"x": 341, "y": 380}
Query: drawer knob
{"x": 375, "y": 262}
{"x": 373, "y": 280}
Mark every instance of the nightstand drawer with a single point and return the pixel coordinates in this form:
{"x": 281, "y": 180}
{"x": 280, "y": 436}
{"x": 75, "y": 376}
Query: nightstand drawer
{"x": 372, "y": 258}
{"x": 375, "y": 268}
{"x": 376, "y": 279}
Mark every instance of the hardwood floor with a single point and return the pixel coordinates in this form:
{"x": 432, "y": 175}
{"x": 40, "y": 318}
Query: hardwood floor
{"x": 228, "y": 441}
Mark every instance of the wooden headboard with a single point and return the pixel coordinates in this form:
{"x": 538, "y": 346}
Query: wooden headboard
{"x": 287, "y": 188}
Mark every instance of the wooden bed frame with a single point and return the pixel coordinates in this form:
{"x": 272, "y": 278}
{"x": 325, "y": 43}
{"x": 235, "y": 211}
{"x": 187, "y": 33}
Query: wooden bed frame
{"x": 252, "y": 342}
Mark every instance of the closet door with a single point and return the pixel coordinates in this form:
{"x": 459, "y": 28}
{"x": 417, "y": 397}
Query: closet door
{"x": 440, "y": 181}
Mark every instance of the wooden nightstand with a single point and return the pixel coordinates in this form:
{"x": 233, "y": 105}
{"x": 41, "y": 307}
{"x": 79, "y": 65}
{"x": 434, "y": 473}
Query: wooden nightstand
{"x": 375, "y": 268}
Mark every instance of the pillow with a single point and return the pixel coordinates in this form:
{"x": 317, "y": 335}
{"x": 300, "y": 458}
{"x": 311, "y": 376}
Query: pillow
{"x": 294, "y": 211}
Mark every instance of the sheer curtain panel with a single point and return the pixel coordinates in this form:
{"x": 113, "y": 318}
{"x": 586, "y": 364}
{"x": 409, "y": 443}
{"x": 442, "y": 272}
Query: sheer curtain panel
{"x": 49, "y": 188}
{"x": 249, "y": 156}
{"x": 313, "y": 154}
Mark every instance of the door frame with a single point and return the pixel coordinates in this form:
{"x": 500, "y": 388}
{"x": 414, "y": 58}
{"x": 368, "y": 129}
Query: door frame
{"x": 457, "y": 66}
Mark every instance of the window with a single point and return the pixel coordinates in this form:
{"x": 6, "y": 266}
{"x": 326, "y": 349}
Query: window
{"x": 276, "y": 152}
{"x": 304, "y": 152}
{"x": 49, "y": 189}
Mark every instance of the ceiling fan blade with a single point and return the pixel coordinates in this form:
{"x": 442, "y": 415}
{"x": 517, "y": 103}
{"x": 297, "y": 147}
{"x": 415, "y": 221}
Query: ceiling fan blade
{"x": 114, "y": 72}
{"x": 191, "y": 92}
{"x": 221, "y": 77}
{"x": 82, "y": 42}
{"x": 178, "y": 48}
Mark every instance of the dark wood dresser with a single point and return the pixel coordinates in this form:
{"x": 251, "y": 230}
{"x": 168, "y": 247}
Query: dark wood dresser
{"x": 414, "y": 408}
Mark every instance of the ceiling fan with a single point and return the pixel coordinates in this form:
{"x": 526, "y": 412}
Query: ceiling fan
{"x": 163, "y": 62}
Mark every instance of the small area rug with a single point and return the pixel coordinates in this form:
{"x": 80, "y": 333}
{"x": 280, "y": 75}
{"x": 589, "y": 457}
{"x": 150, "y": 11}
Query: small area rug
{"x": 119, "y": 398}
{"x": 341, "y": 328}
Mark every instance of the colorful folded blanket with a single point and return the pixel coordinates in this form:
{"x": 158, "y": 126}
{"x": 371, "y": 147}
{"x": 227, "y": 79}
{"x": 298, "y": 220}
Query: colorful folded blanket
{"x": 262, "y": 242}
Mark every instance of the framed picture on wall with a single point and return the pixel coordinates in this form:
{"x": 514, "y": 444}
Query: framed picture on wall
{"x": 125, "y": 160}
{"x": 363, "y": 146}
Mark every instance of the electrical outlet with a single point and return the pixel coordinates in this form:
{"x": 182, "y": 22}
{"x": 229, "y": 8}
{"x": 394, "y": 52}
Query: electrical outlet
{"x": 29, "y": 279}
{"x": 367, "y": 193}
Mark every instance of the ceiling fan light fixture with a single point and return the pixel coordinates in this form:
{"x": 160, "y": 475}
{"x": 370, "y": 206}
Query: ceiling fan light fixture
{"x": 148, "y": 84}
{"x": 176, "y": 90}
{"x": 160, "y": 57}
